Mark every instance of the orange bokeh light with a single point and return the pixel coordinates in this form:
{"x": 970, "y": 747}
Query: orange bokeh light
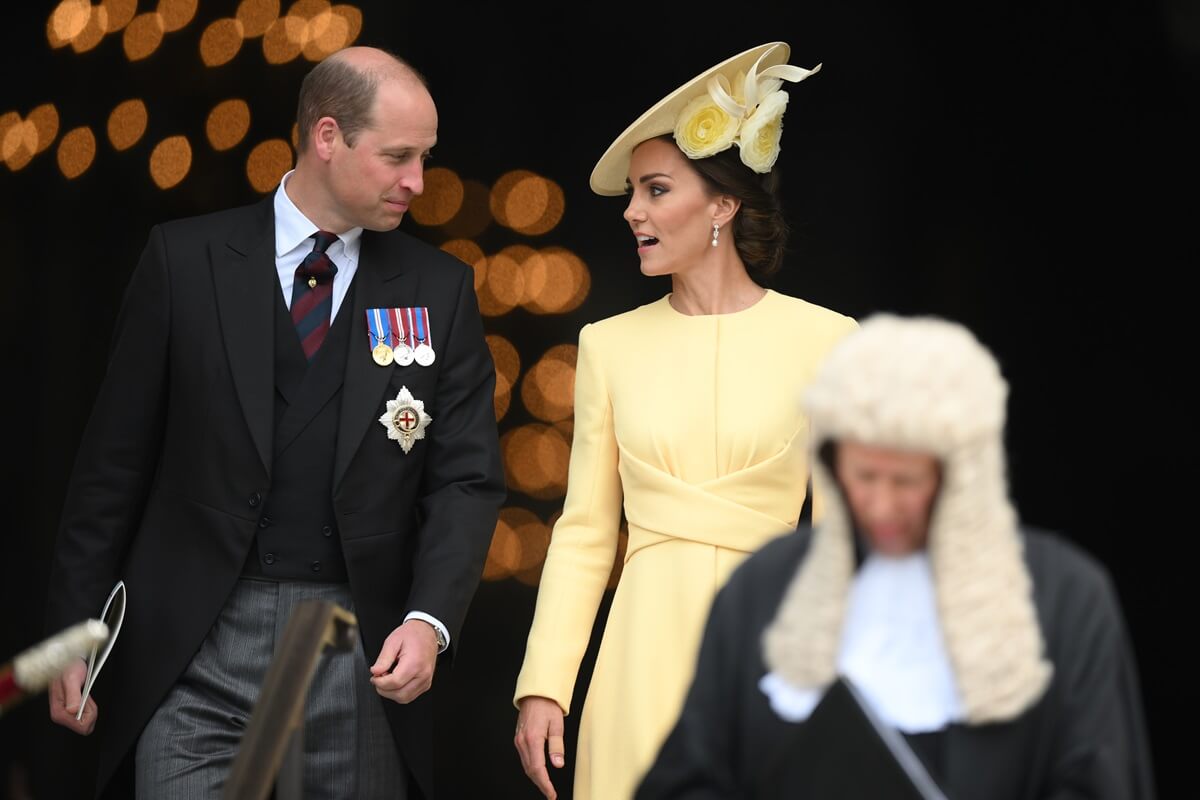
{"x": 535, "y": 541}
{"x": 353, "y": 18}
{"x": 556, "y": 281}
{"x": 170, "y": 161}
{"x": 93, "y": 32}
{"x": 45, "y": 122}
{"x": 548, "y": 390}
{"x": 441, "y": 200}
{"x": 142, "y": 36}
{"x": 227, "y": 124}
{"x": 325, "y": 34}
{"x": 534, "y": 206}
{"x": 19, "y": 143}
{"x": 282, "y": 40}
{"x": 256, "y": 16}
{"x": 221, "y": 41}
{"x": 126, "y": 124}
{"x": 504, "y": 554}
{"x": 120, "y": 12}
{"x": 176, "y": 13}
{"x": 535, "y": 461}
{"x": 473, "y": 217}
{"x": 504, "y": 280}
{"x": 267, "y": 163}
{"x": 76, "y": 152}
{"x": 66, "y": 21}
{"x": 508, "y": 367}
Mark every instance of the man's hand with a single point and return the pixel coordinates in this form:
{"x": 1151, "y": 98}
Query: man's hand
{"x": 65, "y": 691}
{"x": 404, "y": 670}
{"x": 540, "y": 724}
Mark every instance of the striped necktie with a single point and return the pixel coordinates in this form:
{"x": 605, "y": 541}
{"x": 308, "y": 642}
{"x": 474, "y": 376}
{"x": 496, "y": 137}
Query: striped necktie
{"x": 312, "y": 294}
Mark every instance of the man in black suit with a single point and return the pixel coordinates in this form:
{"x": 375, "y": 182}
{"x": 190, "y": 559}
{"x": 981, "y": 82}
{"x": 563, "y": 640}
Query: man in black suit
{"x": 253, "y": 445}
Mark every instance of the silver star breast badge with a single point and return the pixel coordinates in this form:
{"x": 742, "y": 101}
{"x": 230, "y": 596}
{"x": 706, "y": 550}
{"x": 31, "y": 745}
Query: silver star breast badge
{"x": 405, "y": 419}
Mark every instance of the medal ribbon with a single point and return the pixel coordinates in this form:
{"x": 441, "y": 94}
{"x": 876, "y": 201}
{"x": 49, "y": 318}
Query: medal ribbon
{"x": 399, "y": 330}
{"x": 379, "y": 328}
{"x": 424, "y": 335}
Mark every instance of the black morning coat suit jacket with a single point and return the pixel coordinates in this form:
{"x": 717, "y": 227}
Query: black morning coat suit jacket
{"x": 176, "y": 460}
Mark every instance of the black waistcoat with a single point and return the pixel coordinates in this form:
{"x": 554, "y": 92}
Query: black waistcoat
{"x": 297, "y": 536}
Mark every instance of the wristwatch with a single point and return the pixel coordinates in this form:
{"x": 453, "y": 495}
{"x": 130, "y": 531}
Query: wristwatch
{"x": 437, "y": 633}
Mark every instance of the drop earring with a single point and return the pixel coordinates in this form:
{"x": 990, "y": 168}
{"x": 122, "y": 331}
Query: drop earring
{"x": 716, "y": 231}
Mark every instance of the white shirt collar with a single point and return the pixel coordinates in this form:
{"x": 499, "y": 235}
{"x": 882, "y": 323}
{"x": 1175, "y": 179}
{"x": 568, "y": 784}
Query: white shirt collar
{"x": 292, "y": 227}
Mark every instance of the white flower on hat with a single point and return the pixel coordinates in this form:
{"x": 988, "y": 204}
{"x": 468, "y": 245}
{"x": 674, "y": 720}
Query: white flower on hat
{"x": 704, "y": 128}
{"x": 758, "y": 139}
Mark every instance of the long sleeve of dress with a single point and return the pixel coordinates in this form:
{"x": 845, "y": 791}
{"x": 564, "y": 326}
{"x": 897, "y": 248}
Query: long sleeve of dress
{"x": 583, "y": 545}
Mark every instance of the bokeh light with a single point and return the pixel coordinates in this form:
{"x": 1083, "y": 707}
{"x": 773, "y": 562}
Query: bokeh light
{"x": 441, "y": 200}
{"x": 282, "y": 40}
{"x": 556, "y": 281}
{"x": 473, "y": 217}
{"x": 504, "y": 554}
{"x": 227, "y": 124}
{"x": 535, "y": 460}
{"x": 93, "y": 32}
{"x": 170, "y": 161}
{"x": 508, "y": 368}
{"x": 142, "y": 36}
{"x": 504, "y": 280}
{"x": 325, "y": 34}
{"x": 535, "y": 541}
{"x": 534, "y": 205}
{"x": 353, "y": 18}
{"x": 267, "y": 163}
{"x": 76, "y": 152}
{"x": 120, "y": 13}
{"x": 45, "y": 121}
{"x": 470, "y": 253}
{"x": 19, "y": 143}
{"x": 548, "y": 389}
{"x": 66, "y": 21}
{"x": 256, "y": 16}
{"x": 220, "y": 42}
{"x": 8, "y": 121}
{"x": 176, "y": 13}
{"x": 126, "y": 124}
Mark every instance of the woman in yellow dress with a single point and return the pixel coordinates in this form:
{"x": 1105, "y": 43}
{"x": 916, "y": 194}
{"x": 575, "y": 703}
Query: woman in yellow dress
{"x": 687, "y": 410}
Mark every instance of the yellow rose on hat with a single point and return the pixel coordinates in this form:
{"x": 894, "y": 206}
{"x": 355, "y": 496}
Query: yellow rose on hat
{"x": 704, "y": 129}
{"x": 759, "y": 136}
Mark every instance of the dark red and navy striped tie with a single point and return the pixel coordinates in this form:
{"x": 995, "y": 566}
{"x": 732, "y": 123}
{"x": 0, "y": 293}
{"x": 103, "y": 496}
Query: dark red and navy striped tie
{"x": 312, "y": 294}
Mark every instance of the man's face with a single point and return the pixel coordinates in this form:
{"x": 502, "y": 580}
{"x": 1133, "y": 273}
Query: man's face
{"x": 374, "y": 181}
{"x": 891, "y": 494}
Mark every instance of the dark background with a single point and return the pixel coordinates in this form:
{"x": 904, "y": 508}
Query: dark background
{"x": 1024, "y": 168}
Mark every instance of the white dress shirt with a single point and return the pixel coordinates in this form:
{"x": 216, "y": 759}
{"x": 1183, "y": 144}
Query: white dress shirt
{"x": 292, "y": 244}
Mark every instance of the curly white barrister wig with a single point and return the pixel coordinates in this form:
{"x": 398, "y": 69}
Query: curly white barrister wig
{"x": 925, "y": 385}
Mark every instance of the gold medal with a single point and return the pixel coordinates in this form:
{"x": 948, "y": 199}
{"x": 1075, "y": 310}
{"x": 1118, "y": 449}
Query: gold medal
{"x": 382, "y": 354}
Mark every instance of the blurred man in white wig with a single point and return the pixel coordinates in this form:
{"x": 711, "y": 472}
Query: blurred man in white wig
{"x": 998, "y": 652}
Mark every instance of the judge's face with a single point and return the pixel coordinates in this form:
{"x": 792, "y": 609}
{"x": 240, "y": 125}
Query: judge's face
{"x": 670, "y": 209}
{"x": 372, "y": 182}
{"x": 890, "y": 494}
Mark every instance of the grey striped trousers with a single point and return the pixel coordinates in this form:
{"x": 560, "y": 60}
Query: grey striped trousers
{"x": 187, "y": 748}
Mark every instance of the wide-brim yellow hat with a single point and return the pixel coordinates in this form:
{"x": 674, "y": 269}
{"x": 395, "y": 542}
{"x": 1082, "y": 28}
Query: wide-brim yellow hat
{"x": 612, "y": 170}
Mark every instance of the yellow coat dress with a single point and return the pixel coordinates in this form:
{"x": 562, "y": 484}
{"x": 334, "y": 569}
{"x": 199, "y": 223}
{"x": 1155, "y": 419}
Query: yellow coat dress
{"x": 695, "y": 421}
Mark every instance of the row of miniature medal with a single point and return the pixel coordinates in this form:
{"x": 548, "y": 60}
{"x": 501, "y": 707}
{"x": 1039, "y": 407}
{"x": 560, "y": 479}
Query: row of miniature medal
{"x": 402, "y": 335}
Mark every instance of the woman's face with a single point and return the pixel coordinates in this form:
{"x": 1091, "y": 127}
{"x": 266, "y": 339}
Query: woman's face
{"x": 670, "y": 211}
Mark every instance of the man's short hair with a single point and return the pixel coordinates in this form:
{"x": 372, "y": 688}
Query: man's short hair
{"x": 335, "y": 88}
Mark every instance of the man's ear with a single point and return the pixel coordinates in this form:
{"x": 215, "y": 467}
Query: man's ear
{"x": 326, "y": 137}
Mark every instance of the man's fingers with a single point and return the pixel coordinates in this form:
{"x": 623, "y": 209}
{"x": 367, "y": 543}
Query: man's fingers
{"x": 387, "y": 655}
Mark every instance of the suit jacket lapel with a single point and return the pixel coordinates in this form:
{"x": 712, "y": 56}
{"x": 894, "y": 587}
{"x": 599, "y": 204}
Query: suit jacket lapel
{"x": 244, "y": 277}
{"x": 381, "y": 282}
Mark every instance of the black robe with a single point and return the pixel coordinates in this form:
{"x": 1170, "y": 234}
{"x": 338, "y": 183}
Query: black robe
{"x": 1085, "y": 738}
